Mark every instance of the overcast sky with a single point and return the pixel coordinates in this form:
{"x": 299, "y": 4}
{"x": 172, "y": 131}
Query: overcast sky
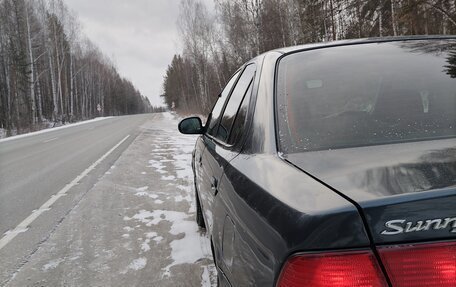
{"x": 140, "y": 36}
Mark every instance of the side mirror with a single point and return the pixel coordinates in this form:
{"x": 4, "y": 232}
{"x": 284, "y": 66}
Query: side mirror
{"x": 191, "y": 126}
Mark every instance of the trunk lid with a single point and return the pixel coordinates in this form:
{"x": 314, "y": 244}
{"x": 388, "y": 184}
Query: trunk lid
{"x": 407, "y": 191}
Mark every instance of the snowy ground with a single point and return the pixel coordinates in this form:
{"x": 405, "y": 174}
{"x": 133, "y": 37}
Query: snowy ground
{"x": 3, "y": 137}
{"x": 135, "y": 227}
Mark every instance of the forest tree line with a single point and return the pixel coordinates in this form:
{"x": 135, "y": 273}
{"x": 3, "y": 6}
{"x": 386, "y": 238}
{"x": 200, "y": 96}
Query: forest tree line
{"x": 216, "y": 43}
{"x": 51, "y": 74}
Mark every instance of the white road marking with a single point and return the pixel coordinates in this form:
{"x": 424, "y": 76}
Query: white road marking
{"x": 49, "y": 140}
{"x": 24, "y": 225}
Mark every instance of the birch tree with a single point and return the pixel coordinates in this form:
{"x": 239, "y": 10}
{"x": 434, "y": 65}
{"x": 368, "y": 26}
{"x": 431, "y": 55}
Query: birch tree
{"x": 44, "y": 66}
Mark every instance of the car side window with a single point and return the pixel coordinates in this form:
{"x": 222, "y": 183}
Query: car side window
{"x": 234, "y": 103}
{"x": 241, "y": 117}
{"x": 217, "y": 109}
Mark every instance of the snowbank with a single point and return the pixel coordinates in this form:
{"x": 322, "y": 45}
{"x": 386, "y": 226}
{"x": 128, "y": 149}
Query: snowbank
{"x": 50, "y": 129}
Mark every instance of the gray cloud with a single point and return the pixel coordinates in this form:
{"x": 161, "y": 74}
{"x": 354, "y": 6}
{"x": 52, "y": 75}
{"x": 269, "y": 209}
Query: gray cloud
{"x": 140, "y": 36}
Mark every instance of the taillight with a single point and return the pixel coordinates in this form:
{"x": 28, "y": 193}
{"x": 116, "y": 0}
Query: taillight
{"x": 337, "y": 269}
{"x": 425, "y": 265}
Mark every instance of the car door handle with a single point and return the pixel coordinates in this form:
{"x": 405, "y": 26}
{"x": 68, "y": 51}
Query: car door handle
{"x": 213, "y": 183}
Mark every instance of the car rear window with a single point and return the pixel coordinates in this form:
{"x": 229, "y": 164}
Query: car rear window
{"x": 367, "y": 94}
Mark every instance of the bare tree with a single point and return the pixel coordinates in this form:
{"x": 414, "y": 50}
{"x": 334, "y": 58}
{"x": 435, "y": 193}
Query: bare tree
{"x": 45, "y": 64}
{"x": 215, "y": 45}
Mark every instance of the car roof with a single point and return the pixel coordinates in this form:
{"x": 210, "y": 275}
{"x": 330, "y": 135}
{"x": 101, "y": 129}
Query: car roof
{"x": 312, "y": 46}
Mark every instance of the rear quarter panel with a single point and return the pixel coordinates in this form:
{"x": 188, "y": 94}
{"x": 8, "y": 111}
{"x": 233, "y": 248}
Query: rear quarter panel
{"x": 277, "y": 210}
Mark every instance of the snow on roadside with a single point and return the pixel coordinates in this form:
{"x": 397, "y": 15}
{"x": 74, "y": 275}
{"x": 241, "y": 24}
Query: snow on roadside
{"x": 52, "y": 264}
{"x": 173, "y": 215}
{"x": 169, "y": 116}
{"x": 206, "y": 278}
{"x": 181, "y": 223}
{"x": 138, "y": 264}
{"x": 50, "y": 129}
{"x": 180, "y": 253}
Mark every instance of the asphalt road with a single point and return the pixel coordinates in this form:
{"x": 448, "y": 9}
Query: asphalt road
{"x": 35, "y": 168}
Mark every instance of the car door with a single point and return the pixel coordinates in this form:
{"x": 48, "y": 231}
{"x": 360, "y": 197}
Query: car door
{"x": 217, "y": 150}
{"x": 202, "y": 165}
{"x": 224, "y": 236}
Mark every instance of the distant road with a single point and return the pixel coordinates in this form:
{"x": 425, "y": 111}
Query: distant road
{"x": 34, "y": 168}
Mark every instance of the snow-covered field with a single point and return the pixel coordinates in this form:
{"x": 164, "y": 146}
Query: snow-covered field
{"x": 135, "y": 227}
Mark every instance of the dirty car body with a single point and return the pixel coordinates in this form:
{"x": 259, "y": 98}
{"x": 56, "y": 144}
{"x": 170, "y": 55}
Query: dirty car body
{"x": 333, "y": 165}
